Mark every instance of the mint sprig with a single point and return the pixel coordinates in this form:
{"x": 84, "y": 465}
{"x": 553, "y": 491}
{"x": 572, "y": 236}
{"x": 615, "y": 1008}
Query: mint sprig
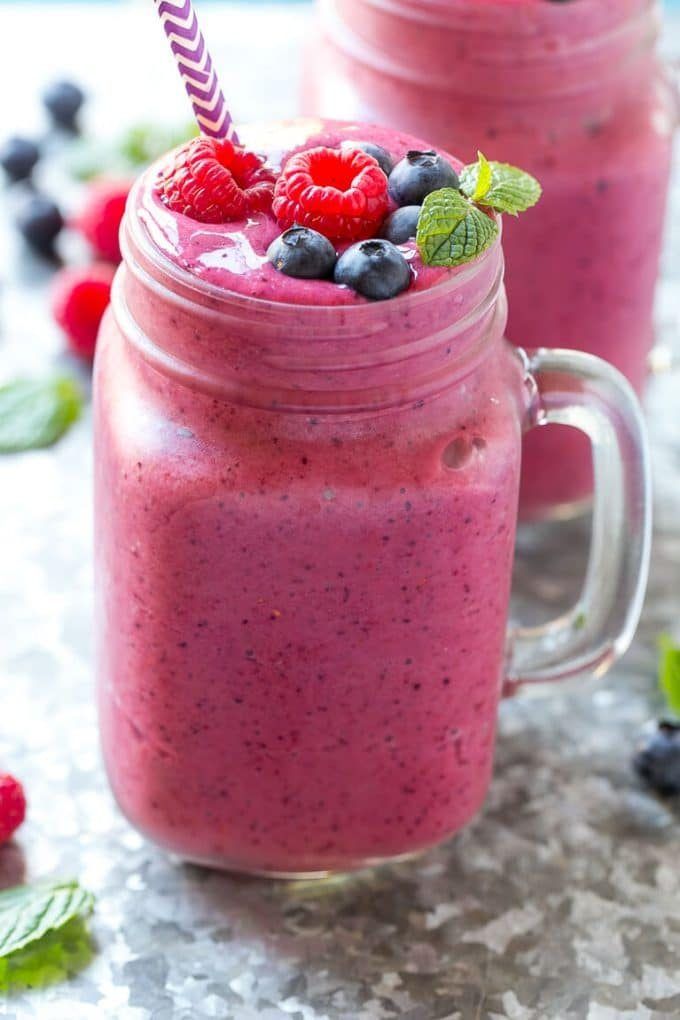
{"x": 452, "y": 231}
{"x": 43, "y": 937}
{"x": 499, "y": 186}
{"x": 669, "y": 672}
{"x": 35, "y": 413}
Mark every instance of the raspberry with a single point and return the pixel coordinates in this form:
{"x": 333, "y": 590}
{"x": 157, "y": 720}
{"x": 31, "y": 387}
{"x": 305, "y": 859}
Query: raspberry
{"x": 12, "y": 806}
{"x": 100, "y": 218}
{"x": 215, "y": 182}
{"x": 79, "y": 299}
{"x": 342, "y": 193}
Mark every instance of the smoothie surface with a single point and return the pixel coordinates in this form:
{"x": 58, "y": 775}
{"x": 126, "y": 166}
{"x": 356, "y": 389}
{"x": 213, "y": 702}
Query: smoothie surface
{"x": 233, "y": 256}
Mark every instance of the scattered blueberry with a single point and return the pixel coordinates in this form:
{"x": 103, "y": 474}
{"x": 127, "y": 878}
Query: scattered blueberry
{"x": 418, "y": 174}
{"x": 658, "y": 762}
{"x": 64, "y": 100}
{"x": 40, "y": 221}
{"x": 382, "y": 155}
{"x": 303, "y": 253}
{"x": 401, "y": 225}
{"x": 18, "y": 156}
{"x": 375, "y": 269}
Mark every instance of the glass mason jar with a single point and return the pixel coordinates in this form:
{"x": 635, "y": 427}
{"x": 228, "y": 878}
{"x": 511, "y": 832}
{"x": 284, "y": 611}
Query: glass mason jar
{"x": 305, "y": 520}
{"x": 573, "y": 93}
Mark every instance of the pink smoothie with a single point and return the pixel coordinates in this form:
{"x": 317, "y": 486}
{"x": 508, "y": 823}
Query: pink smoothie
{"x": 571, "y": 92}
{"x": 301, "y": 613}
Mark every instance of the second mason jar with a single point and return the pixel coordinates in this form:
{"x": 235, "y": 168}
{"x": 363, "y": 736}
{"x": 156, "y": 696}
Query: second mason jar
{"x": 576, "y": 94}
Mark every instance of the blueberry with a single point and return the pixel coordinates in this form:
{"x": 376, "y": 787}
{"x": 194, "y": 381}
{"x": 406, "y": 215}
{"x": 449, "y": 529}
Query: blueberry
{"x": 18, "y": 156}
{"x": 658, "y": 762}
{"x": 418, "y": 174}
{"x": 40, "y": 222}
{"x": 382, "y": 155}
{"x": 373, "y": 268}
{"x": 304, "y": 253}
{"x": 64, "y": 100}
{"x": 401, "y": 225}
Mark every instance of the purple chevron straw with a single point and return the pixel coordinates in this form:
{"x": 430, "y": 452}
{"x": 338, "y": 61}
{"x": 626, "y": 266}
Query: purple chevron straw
{"x": 196, "y": 68}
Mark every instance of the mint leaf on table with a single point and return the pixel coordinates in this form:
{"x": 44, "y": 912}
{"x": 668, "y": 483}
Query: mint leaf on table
{"x": 669, "y": 672}
{"x": 56, "y": 957}
{"x": 28, "y": 912}
{"x": 510, "y": 190}
{"x": 451, "y": 231}
{"x": 42, "y": 932}
{"x": 35, "y": 413}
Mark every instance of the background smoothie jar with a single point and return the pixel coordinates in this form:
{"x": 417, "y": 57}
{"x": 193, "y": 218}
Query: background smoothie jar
{"x": 306, "y": 506}
{"x": 573, "y": 92}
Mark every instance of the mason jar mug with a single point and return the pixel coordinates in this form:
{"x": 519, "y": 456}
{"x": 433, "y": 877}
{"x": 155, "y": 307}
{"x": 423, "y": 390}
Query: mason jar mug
{"x": 305, "y": 521}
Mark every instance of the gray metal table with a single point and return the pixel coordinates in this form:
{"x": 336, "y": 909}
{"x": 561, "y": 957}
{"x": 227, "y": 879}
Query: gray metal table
{"x": 561, "y": 901}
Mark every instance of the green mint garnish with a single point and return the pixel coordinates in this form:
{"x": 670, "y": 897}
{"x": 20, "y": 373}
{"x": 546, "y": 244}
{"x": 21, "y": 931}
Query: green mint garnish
{"x": 36, "y": 412}
{"x": 43, "y": 937}
{"x": 669, "y": 672}
{"x": 501, "y": 187}
{"x": 476, "y": 178}
{"x": 452, "y": 231}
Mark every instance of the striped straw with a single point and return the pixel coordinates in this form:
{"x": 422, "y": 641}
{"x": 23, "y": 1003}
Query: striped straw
{"x": 196, "y": 68}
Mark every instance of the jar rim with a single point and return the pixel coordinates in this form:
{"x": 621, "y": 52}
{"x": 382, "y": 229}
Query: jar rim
{"x": 328, "y": 359}
{"x": 517, "y": 48}
{"x": 135, "y": 237}
{"x": 446, "y": 12}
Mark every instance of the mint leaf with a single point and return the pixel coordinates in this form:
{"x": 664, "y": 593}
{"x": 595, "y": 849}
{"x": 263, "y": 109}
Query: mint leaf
{"x": 36, "y": 412}
{"x": 143, "y": 143}
{"x": 57, "y": 956}
{"x": 511, "y": 190}
{"x": 451, "y": 231}
{"x": 476, "y": 178}
{"x": 29, "y": 912}
{"x": 669, "y": 671}
{"x": 139, "y": 146}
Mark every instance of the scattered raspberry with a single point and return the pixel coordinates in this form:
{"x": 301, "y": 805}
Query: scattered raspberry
{"x": 215, "y": 182}
{"x": 79, "y": 299}
{"x": 12, "y": 806}
{"x": 101, "y": 216}
{"x": 342, "y": 193}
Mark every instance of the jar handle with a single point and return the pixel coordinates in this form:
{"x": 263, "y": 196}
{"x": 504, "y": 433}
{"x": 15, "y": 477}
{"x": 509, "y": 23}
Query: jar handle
{"x": 571, "y": 388}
